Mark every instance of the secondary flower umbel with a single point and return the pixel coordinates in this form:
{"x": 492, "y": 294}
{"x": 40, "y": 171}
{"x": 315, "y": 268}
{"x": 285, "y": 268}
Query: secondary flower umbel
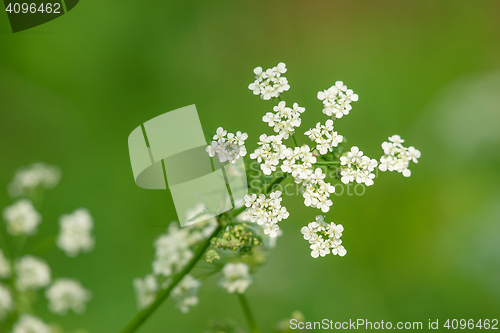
{"x": 337, "y": 100}
{"x": 227, "y": 146}
{"x": 269, "y": 84}
{"x": 324, "y": 237}
{"x": 397, "y": 158}
{"x": 285, "y": 119}
{"x": 265, "y": 211}
{"x": 356, "y": 167}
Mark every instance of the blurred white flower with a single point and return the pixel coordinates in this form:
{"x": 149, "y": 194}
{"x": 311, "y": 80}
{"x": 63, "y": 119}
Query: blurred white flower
{"x": 324, "y": 238}
{"x": 285, "y": 120}
{"x": 269, "y": 84}
{"x": 75, "y": 234}
{"x": 5, "y": 269}
{"x": 145, "y": 291}
{"x": 172, "y": 251}
{"x": 356, "y": 167}
{"x": 337, "y": 100}
{"x": 325, "y": 137}
{"x": 31, "y": 273}
{"x": 6, "y": 301}
{"x": 185, "y": 293}
{"x": 265, "y": 211}
{"x": 67, "y": 294}
{"x": 236, "y": 277}
{"x": 227, "y": 146}
{"x": 397, "y": 157}
{"x": 28, "y": 179}
{"x": 21, "y": 218}
{"x": 30, "y": 324}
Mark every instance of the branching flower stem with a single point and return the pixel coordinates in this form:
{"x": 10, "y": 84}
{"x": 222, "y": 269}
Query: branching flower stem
{"x": 144, "y": 314}
{"x": 248, "y": 314}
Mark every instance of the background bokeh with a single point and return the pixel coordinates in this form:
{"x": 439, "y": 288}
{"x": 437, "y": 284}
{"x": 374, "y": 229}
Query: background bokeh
{"x": 421, "y": 248}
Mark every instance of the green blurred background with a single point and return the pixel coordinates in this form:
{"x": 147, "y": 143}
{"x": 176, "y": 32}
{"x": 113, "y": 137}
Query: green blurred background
{"x": 421, "y": 248}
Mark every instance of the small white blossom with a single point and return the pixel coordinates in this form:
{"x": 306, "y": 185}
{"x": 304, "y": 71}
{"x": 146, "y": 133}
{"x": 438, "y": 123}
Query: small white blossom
{"x": 324, "y": 238}
{"x": 28, "y": 179}
{"x": 31, "y": 273}
{"x": 325, "y": 137}
{"x": 185, "y": 293}
{"x": 356, "y": 167}
{"x": 236, "y": 277}
{"x": 21, "y": 218}
{"x": 5, "y": 270}
{"x": 30, "y": 324}
{"x": 6, "y": 301}
{"x": 285, "y": 119}
{"x": 75, "y": 234}
{"x": 145, "y": 291}
{"x": 269, "y": 84}
{"x": 316, "y": 191}
{"x": 67, "y": 294}
{"x": 265, "y": 211}
{"x": 337, "y": 100}
{"x": 299, "y": 162}
{"x": 397, "y": 157}
{"x": 227, "y": 146}
{"x": 271, "y": 150}
{"x": 172, "y": 251}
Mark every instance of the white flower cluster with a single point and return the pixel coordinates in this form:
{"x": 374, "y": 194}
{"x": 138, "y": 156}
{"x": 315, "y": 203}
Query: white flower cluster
{"x": 29, "y": 179}
{"x": 299, "y": 162}
{"x": 325, "y": 137}
{"x": 28, "y": 323}
{"x": 6, "y": 301}
{"x": 337, "y": 100}
{"x": 145, "y": 290}
{"x": 324, "y": 237}
{"x": 76, "y": 232}
{"x": 236, "y": 277}
{"x": 172, "y": 252}
{"x": 21, "y": 218}
{"x": 271, "y": 150}
{"x": 67, "y": 294}
{"x": 185, "y": 293}
{"x": 397, "y": 158}
{"x": 285, "y": 120}
{"x": 31, "y": 273}
{"x": 316, "y": 191}
{"x": 5, "y": 269}
{"x": 266, "y": 212}
{"x": 269, "y": 83}
{"x": 227, "y": 146}
{"x": 356, "y": 167}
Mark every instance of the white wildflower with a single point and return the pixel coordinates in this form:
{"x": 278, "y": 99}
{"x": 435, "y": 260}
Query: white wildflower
{"x": 397, "y": 157}
{"x": 299, "y": 162}
{"x": 75, "y": 234}
{"x": 285, "y": 119}
{"x": 172, "y": 251}
{"x": 31, "y": 273}
{"x": 356, "y": 167}
{"x": 324, "y": 238}
{"x": 270, "y": 83}
{"x": 30, "y": 324}
{"x": 21, "y": 218}
{"x": 28, "y": 179}
{"x": 236, "y": 277}
{"x": 227, "y": 146}
{"x": 316, "y": 191}
{"x": 265, "y": 211}
{"x": 325, "y": 137}
{"x": 270, "y": 152}
{"x": 185, "y": 293}
{"x": 6, "y": 301}
{"x": 145, "y": 291}
{"x": 5, "y": 269}
{"x": 337, "y": 100}
{"x": 67, "y": 294}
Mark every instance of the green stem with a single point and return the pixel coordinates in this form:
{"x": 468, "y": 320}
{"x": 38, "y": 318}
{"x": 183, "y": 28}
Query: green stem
{"x": 248, "y": 314}
{"x": 294, "y": 140}
{"x": 327, "y": 162}
{"x": 144, "y": 314}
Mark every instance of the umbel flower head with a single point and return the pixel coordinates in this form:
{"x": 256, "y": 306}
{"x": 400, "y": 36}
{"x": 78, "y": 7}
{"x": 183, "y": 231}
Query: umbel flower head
{"x": 31, "y": 273}
{"x": 227, "y": 146}
{"x": 145, "y": 290}
{"x": 267, "y": 212}
{"x": 325, "y": 137}
{"x": 396, "y": 157}
{"x": 185, "y": 293}
{"x": 28, "y": 179}
{"x": 269, "y": 83}
{"x": 236, "y": 277}
{"x": 285, "y": 120}
{"x": 356, "y": 167}
{"x": 28, "y": 323}
{"x": 67, "y": 294}
{"x": 76, "y": 232}
{"x": 21, "y": 218}
{"x": 269, "y": 153}
{"x": 337, "y": 100}
{"x": 324, "y": 237}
